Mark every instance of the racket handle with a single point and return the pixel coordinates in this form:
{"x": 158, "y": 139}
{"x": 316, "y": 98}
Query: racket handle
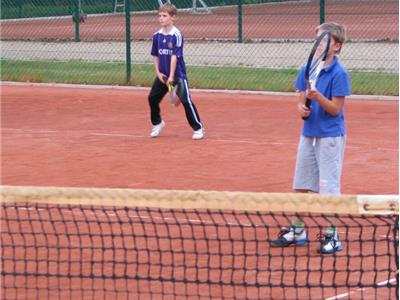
{"x": 308, "y": 104}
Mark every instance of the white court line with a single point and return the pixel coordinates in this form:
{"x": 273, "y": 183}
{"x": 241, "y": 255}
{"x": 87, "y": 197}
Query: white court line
{"x": 126, "y": 135}
{"x": 244, "y": 141}
{"x": 346, "y": 295}
{"x": 211, "y": 139}
{"x": 229, "y": 141}
{"x": 141, "y": 217}
{"x": 377, "y": 148}
{"x": 116, "y": 135}
{"x": 177, "y": 220}
{"x": 29, "y": 130}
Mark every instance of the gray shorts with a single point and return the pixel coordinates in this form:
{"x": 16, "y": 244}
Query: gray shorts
{"x": 319, "y": 164}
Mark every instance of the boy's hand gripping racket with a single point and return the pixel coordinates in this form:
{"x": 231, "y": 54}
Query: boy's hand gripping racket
{"x": 316, "y": 61}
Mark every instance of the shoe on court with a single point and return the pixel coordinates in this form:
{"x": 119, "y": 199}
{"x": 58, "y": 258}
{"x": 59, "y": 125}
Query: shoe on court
{"x": 330, "y": 241}
{"x": 156, "y": 130}
{"x": 198, "y": 134}
{"x": 295, "y": 234}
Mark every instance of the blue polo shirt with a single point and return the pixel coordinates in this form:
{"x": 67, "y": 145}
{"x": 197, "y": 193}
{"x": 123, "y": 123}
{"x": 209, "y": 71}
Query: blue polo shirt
{"x": 166, "y": 45}
{"x": 333, "y": 81}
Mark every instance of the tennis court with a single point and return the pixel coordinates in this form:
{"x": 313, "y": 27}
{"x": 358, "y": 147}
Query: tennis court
{"x": 97, "y": 137}
{"x": 93, "y": 246}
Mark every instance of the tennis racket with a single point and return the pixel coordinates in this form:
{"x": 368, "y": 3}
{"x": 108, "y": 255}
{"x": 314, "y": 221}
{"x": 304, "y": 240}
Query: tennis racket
{"x": 316, "y": 61}
{"x": 172, "y": 97}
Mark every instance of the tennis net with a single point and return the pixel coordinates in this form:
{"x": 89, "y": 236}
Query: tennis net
{"x": 153, "y": 244}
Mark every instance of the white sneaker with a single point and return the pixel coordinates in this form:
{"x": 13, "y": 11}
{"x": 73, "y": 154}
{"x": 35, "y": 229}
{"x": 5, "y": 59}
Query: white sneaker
{"x": 156, "y": 130}
{"x": 198, "y": 134}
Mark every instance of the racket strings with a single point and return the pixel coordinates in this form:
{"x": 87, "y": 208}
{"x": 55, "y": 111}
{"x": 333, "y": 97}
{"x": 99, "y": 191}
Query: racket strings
{"x": 318, "y": 59}
{"x": 315, "y": 68}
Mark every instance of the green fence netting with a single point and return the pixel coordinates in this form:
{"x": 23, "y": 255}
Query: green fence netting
{"x": 236, "y": 44}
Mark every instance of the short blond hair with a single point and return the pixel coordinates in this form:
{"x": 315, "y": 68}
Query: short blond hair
{"x": 337, "y": 31}
{"x": 168, "y": 8}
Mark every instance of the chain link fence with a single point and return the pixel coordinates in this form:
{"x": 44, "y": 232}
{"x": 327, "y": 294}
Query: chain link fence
{"x": 235, "y": 44}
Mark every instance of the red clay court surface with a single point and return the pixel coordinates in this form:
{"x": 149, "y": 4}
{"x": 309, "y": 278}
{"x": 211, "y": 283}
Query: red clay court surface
{"x": 79, "y": 137}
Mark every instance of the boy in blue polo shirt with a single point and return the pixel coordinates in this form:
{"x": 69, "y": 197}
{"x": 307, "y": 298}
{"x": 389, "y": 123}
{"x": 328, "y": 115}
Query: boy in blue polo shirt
{"x": 167, "y": 53}
{"x": 322, "y": 142}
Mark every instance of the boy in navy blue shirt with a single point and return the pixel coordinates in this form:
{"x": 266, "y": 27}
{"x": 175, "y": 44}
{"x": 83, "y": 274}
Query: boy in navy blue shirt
{"x": 167, "y": 53}
{"x": 322, "y": 141}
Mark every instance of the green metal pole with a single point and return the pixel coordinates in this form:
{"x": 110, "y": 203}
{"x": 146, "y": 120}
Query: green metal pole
{"x": 240, "y": 21}
{"x": 76, "y": 20}
{"x": 128, "y": 39}
{"x": 19, "y": 9}
{"x": 321, "y": 11}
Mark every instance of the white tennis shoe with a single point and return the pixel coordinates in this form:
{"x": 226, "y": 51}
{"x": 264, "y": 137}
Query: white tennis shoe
{"x": 198, "y": 134}
{"x": 156, "y": 130}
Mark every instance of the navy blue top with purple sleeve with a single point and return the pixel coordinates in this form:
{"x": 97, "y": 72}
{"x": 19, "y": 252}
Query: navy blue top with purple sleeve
{"x": 166, "y": 45}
